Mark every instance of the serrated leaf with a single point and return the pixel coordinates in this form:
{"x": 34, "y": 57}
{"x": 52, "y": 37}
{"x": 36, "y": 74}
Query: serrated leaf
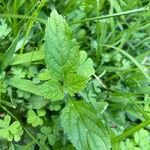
{"x": 53, "y": 90}
{"x": 64, "y": 61}
{"x": 44, "y": 75}
{"x": 75, "y": 83}
{"x": 83, "y": 127}
{"x": 60, "y": 48}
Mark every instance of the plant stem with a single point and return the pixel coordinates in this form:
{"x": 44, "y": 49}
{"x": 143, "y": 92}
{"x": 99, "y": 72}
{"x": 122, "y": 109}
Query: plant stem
{"x": 23, "y": 17}
{"x": 134, "y": 11}
{"x": 112, "y": 15}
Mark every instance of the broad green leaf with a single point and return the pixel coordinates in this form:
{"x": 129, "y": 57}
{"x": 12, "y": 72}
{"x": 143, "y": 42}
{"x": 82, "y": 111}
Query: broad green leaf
{"x": 61, "y": 50}
{"x": 84, "y": 129}
{"x": 64, "y": 61}
{"x": 53, "y": 90}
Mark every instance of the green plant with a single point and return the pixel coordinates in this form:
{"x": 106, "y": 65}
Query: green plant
{"x": 10, "y": 131}
{"x": 81, "y": 83}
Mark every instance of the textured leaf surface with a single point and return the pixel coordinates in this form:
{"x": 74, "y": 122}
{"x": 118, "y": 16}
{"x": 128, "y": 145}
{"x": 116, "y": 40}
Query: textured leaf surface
{"x": 53, "y": 90}
{"x": 84, "y": 128}
{"x": 75, "y": 83}
{"x": 64, "y": 61}
{"x": 60, "y": 48}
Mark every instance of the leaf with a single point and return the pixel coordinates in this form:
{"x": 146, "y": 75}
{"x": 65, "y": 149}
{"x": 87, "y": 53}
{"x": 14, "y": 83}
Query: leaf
{"x": 52, "y": 139}
{"x": 37, "y": 102}
{"x": 141, "y": 138}
{"x": 34, "y": 119}
{"x": 4, "y": 29}
{"x": 25, "y": 85}
{"x": 64, "y": 61}
{"x": 10, "y": 131}
{"x": 16, "y": 130}
{"x": 8, "y": 56}
{"x": 28, "y": 57}
{"x": 44, "y": 75}
{"x": 61, "y": 50}
{"x": 83, "y": 127}
{"x": 3, "y": 86}
{"x": 53, "y": 90}
{"x": 86, "y": 65}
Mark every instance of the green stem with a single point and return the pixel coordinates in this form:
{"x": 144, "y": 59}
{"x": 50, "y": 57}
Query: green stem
{"x": 4, "y": 108}
{"x": 130, "y": 131}
{"x": 23, "y": 17}
{"x": 98, "y": 31}
{"x": 79, "y": 21}
{"x": 112, "y": 15}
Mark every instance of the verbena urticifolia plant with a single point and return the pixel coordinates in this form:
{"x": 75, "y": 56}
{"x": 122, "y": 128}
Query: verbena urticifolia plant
{"x": 70, "y": 70}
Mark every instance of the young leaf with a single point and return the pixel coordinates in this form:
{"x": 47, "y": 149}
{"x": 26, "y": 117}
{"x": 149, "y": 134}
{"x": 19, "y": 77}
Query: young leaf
{"x": 64, "y": 61}
{"x": 83, "y": 127}
{"x": 61, "y": 50}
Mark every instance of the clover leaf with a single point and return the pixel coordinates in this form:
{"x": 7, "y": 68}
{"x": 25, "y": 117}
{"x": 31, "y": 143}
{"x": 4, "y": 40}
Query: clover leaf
{"x": 9, "y": 131}
{"x": 34, "y": 119}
